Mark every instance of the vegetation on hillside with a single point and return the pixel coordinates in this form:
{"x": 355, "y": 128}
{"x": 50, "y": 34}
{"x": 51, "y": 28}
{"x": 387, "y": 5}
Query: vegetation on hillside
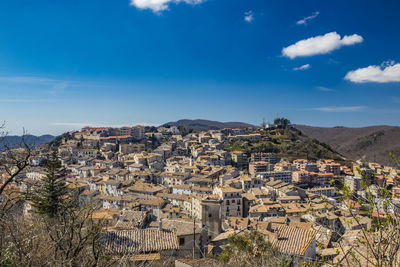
{"x": 289, "y": 143}
{"x": 369, "y": 140}
{"x": 58, "y": 140}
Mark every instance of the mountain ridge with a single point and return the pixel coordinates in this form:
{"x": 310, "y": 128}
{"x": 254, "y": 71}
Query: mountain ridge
{"x": 13, "y": 141}
{"x": 371, "y": 143}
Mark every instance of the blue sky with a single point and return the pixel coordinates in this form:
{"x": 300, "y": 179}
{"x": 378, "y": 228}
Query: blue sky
{"x": 64, "y": 64}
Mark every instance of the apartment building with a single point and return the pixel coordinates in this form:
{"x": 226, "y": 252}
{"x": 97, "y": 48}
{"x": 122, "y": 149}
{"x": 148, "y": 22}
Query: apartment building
{"x": 239, "y": 159}
{"x": 285, "y": 176}
{"x": 232, "y": 201}
{"x": 268, "y": 157}
{"x": 260, "y": 166}
{"x": 354, "y": 183}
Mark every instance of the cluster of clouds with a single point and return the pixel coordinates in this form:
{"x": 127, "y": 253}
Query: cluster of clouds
{"x": 317, "y": 45}
{"x": 160, "y": 5}
{"x": 388, "y": 71}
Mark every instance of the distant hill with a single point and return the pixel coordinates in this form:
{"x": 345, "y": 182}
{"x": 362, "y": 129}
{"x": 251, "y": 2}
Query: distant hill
{"x": 372, "y": 143}
{"x": 208, "y": 125}
{"x": 289, "y": 144}
{"x": 31, "y": 140}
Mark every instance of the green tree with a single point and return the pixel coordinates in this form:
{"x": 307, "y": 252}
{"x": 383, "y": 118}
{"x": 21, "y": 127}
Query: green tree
{"x": 50, "y": 197}
{"x": 282, "y": 123}
{"x": 185, "y": 130}
{"x": 250, "y": 248}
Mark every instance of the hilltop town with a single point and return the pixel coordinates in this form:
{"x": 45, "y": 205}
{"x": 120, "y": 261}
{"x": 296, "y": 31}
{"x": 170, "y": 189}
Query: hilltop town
{"x": 165, "y": 195}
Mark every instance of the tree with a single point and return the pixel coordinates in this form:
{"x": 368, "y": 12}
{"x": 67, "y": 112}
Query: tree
{"x": 72, "y": 238}
{"x": 184, "y": 130}
{"x": 49, "y": 198}
{"x": 378, "y": 244}
{"x": 68, "y": 238}
{"x": 13, "y": 159}
{"x": 282, "y": 123}
{"x": 154, "y": 142}
{"x": 250, "y": 248}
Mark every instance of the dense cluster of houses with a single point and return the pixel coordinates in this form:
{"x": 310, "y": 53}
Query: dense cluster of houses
{"x": 185, "y": 197}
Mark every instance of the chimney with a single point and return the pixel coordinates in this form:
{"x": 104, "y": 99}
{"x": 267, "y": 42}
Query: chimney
{"x": 276, "y": 234}
{"x": 160, "y": 224}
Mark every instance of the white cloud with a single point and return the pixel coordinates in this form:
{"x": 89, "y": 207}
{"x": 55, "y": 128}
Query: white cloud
{"x": 306, "y": 19}
{"x": 72, "y": 124}
{"x": 160, "y": 5}
{"x": 388, "y": 71}
{"x": 340, "y": 109}
{"x": 28, "y": 79}
{"x": 325, "y": 89}
{"x": 248, "y": 16}
{"x": 303, "y": 67}
{"x": 322, "y": 44}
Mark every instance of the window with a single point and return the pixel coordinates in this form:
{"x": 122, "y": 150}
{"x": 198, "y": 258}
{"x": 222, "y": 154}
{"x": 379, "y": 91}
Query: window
{"x": 209, "y": 215}
{"x": 181, "y": 241}
{"x": 233, "y": 201}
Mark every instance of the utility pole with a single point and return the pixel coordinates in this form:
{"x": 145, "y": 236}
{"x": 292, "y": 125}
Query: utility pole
{"x": 194, "y": 234}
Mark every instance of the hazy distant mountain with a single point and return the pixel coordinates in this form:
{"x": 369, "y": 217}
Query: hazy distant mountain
{"x": 372, "y": 143}
{"x": 208, "y": 125}
{"x": 14, "y": 140}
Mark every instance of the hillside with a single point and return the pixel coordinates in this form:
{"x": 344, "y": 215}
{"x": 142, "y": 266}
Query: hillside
{"x": 203, "y": 125}
{"x": 288, "y": 144}
{"x": 31, "y": 140}
{"x": 372, "y": 143}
